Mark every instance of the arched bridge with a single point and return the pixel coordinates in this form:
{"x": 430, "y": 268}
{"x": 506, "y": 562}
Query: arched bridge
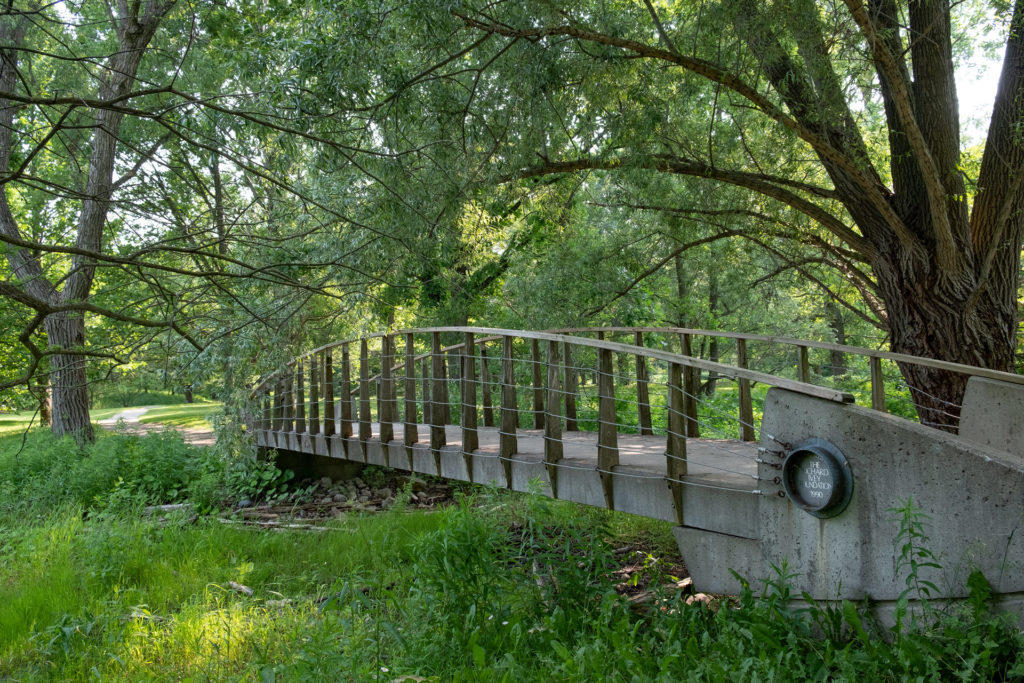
{"x": 780, "y": 449}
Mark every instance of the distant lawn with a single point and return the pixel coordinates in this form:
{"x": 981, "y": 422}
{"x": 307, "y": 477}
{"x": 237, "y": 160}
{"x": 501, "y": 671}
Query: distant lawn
{"x": 191, "y": 415}
{"x": 17, "y": 421}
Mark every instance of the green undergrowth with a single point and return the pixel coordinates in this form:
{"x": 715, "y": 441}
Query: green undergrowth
{"x": 501, "y": 586}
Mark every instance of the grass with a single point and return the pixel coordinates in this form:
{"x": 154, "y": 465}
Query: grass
{"x": 11, "y": 423}
{"x": 135, "y": 599}
{"x": 503, "y": 586}
{"x": 189, "y": 415}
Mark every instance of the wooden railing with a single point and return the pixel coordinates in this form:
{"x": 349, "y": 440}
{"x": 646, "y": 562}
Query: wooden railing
{"x": 874, "y": 373}
{"x": 421, "y": 372}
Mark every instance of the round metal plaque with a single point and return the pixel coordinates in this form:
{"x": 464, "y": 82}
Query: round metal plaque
{"x": 817, "y": 477}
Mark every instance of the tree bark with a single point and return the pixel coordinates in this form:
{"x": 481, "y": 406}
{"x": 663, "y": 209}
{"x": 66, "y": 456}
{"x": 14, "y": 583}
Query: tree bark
{"x": 70, "y": 415}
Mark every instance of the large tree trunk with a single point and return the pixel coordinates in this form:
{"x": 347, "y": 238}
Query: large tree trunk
{"x": 70, "y": 414}
{"x": 926, "y": 319}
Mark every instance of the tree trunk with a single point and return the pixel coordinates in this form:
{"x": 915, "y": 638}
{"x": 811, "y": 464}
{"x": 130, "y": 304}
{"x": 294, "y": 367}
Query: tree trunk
{"x": 837, "y": 359}
{"x": 926, "y": 319}
{"x": 713, "y": 353}
{"x": 42, "y": 395}
{"x": 70, "y": 414}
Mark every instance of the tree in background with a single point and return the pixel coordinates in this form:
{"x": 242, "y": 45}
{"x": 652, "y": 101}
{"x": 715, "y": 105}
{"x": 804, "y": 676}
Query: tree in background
{"x": 845, "y": 113}
{"x": 28, "y": 124}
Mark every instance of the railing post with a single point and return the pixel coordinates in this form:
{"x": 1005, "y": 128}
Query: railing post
{"x": 346, "y": 393}
{"x": 877, "y": 385}
{"x": 440, "y": 400}
{"x": 411, "y": 433}
{"x": 279, "y": 404}
{"x": 300, "y": 400}
{"x": 607, "y": 436}
{"x": 805, "y": 365}
{"x": 427, "y": 395}
{"x": 508, "y": 445}
{"x": 675, "y": 449}
{"x": 314, "y": 396}
{"x": 538, "y": 385}
{"x": 289, "y": 400}
{"x": 643, "y": 396}
{"x": 470, "y": 437}
{"x": 691, "y": 385}
{"x": 330, "y": 425}
{"x": 268, "y": 411}
{"x": 365, "y": 429}
{"x": 446, "y": 406}
{"x": 553, "y": 420}
{"x": 485, "y": 387}
{"x": 746, "y": 404}
{"x": 571, "y": 424}
{"x": 386, "y": 410}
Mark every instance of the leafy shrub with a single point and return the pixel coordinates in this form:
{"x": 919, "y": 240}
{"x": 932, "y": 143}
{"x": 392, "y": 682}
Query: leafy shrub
{"x": 121, "y": 470}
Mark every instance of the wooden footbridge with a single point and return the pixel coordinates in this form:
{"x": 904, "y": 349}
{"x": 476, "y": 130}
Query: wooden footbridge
{"x": 758, "y": 457}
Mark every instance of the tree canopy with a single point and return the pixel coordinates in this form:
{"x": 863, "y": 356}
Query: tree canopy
{"x": 226, "y": 181}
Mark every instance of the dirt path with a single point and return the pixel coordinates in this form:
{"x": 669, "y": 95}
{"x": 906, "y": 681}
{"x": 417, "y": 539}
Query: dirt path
{"x": 130, "y": 417}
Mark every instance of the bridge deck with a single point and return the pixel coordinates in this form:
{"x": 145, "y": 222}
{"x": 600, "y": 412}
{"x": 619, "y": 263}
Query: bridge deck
{"x": 715, "y": 461}
{"x": 721, "y": 474}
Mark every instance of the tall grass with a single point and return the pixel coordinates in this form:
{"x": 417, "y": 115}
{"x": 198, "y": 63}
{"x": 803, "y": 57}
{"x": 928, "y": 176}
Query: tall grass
{"x": 502, "y": 586}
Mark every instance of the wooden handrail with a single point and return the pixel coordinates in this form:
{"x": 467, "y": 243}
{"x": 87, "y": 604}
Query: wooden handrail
{"x": 856, "y": 350}
{"x": 568, "y": 335}
{"x": 720, "y": 368}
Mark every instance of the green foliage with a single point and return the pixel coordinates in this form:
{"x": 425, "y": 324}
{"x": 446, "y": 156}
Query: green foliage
{"x": 501, "y": 586}
{"x": 118, "y": 470}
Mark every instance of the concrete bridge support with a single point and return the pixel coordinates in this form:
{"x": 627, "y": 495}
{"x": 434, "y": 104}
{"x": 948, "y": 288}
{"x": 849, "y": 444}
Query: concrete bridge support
{"x": 971, "y": 487}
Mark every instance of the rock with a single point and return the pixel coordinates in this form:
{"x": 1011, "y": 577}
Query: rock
{"x": 340, "y": 498}
{"x": 324, "y": 501}
{"x": 384, "y": 492}
{"x": 388, "y": 502}
{"x": 325, "y": 482}
{"x": 244, "y": 503}
{"x": 418, "y": 486}
{"x": 364, "y": 499}
{"x": 364, "y": 492}
{"x": 358, "y": 483}
{"x": 702, "y": 598}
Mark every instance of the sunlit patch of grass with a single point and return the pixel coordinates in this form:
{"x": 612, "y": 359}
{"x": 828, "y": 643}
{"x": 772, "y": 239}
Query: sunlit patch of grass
{"x": 11, "y": 423}
{"x": 191, "y": 415}
{"x": 141, "y": 599}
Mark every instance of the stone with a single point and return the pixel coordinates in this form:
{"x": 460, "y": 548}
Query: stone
{"x": 364, "y": 499}
{"x": 358, "y": 483}
{"x": 388, "y": 502}
{"x": 699, "y": 598}
{"x": 340, "y": 498}
{"x": 244, "y": 503}
{"x": 384, "y": 492}
{"x": 325, "y": 482}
